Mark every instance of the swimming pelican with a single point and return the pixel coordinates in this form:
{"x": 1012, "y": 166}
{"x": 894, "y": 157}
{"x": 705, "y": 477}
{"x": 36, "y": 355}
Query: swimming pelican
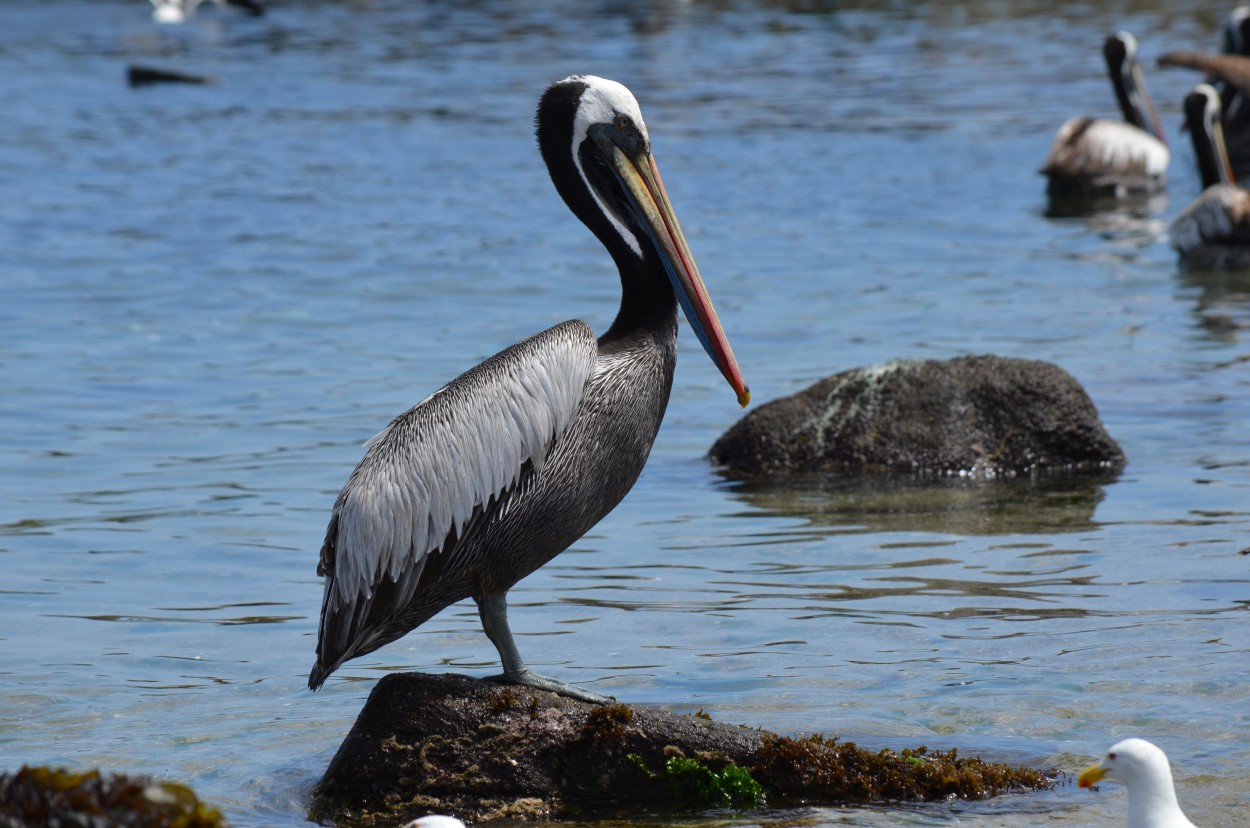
{"x": 503, "y": 468}
{"x": 177, "y": 11}
{"x": 1101, "y": 157}
{"x": 1144, "y": 770}
{"x": 1213, "y": 231}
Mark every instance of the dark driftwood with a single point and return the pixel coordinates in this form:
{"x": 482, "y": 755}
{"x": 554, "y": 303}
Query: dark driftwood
{"x": 452, "y": 744}
{"x": 980, "y": 416}
{"x": 148, "y": 75}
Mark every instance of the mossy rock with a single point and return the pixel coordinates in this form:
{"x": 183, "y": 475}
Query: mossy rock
{"x": 452, "y": 744}
{"x": 55, "y": 796}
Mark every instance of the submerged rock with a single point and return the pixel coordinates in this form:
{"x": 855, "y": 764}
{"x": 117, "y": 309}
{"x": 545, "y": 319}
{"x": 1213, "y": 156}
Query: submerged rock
{"x": 980, "y": 416}
{"x": 453, "y": 744}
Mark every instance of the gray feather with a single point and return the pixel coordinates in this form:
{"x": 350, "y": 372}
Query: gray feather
{"x": 426, "y": 476}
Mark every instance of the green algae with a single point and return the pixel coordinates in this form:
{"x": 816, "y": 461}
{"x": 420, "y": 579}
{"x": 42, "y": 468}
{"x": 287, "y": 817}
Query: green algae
{"x": 696, "y": 782}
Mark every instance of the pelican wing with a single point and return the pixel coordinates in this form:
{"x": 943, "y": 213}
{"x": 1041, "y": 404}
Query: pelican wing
{"x": 434, "y": 473}
{"x": 1088, "y": 147}
{"x": 1220, "y": 216}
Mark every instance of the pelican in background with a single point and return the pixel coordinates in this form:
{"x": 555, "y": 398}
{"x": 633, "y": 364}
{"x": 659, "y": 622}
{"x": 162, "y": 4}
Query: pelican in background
{"x": 1101, "y": 157}
{"x": 500, "y": 470}
{"x": 177, "y": 11}
{"x": 1236, "y": 116}
{"x": 1214, "y": 231}
{"x": 1144, "y": 770}
{"x": 1229, "y": 73}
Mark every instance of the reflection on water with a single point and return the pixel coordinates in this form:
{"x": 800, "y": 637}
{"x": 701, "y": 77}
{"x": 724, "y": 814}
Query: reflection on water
{"x": 955, "y": 506}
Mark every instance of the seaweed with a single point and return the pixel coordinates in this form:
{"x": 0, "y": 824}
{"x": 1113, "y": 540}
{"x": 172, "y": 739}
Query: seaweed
{"x": 57, "y": 796}
{"x": 819, "y": 768}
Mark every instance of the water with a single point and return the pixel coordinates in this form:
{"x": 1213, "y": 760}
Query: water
{"x": 213, "y": 295}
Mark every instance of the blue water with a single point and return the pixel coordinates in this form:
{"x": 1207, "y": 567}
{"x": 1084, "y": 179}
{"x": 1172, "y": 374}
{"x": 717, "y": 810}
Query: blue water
{"x": 213, "y": 295}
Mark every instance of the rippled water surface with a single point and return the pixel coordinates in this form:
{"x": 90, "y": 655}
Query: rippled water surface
{"x": 214, "y": 294}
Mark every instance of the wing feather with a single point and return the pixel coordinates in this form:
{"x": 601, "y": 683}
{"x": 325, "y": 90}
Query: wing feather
{"x": 1084, "y": 146}
{"x": 434, "y": 470}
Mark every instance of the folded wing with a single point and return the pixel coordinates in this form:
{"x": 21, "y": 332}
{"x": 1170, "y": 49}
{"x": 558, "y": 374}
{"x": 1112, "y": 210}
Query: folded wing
{"x": 432, "y": 476}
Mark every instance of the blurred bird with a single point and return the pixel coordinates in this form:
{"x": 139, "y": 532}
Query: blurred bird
{"x": 435, "y": 821}
{"x": 1229, "y": 73}
{"x": 1101, "y": 157}
{"x": 177, "y": 11}
{"x": 1144, "y": 770}
{"x": 1214, "y": 231}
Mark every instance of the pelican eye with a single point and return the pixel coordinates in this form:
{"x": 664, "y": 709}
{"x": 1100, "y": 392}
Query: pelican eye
{"x": 622, "y": 121}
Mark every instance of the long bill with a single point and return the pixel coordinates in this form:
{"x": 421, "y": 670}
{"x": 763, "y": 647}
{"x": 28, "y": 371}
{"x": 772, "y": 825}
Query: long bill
{"x": 646, "y": 190}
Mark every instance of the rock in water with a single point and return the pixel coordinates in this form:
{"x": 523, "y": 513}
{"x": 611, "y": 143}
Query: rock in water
{"x": 479, "y": 750}
{"x": 983, "y": 416}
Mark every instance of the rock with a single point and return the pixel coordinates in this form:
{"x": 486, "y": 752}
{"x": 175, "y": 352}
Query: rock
{"x": 479, "y": 750}
{"x": 980, "y": 416}
{"x": 55, "y": 796}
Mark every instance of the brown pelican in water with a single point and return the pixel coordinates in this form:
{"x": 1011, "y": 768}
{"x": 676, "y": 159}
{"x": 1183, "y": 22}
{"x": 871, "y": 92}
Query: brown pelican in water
{"x": 503, "y": 468}
{"x": 1101, "y": 157}
{"x": 1213, "y": 231}
{"x": 1229, "y": 73}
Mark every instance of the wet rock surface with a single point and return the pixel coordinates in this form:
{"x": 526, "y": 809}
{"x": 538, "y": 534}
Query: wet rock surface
{"x": 482, "y": 751}
{"x": 977, "y": 416}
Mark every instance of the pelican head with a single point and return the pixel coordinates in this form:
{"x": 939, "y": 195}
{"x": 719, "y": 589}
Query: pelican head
{"x": 598, "y": 150}
{"x": 1202, "y": 118}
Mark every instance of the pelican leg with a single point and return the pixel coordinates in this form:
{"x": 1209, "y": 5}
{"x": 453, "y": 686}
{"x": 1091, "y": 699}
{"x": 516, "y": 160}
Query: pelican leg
{"x": 493, "y": 610}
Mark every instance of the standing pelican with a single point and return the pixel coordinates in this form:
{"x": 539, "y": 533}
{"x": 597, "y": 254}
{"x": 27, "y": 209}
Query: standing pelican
{"x": 1213, "y": 231}
{"x": 1101, "y": 157}
{"x": 503, "y": 468}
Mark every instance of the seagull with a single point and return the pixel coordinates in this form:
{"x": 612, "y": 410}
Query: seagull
{"x": 435, "y": 821}
{"x": 1144, "y": 770}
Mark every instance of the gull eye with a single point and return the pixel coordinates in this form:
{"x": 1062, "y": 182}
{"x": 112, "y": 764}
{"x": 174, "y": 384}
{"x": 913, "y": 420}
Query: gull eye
{"x": 1111, "y": 756}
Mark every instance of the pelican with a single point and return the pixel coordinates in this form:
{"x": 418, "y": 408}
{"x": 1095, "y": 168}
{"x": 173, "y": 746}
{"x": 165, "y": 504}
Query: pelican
{"x": 1101, "y": 157}
{"x": 1213, "y": 231}
{"x": 1236, "y": 116}
{"x": 1229, "y": 73}
{"x": 504, "y": 467}
{"x": 1144, "y": 770}
{"x": 177, "y": 11}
